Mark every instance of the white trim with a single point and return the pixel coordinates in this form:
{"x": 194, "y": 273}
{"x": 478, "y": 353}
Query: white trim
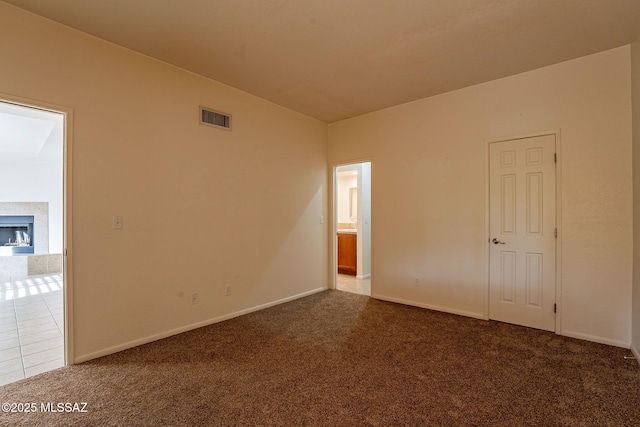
{"x": 67, "y": 268}
{"x": 487, "y": 231}
{"x": 333, "y": 228}
{"x": 575, "y": 335}
{"x": 171, "y": 332}
{"x": 67, "y": 255}
{"x": 557, "y": 134}
{"x": 430, "y": 307}
{"x": 366, "y": 276}
{"x": 594, "y": 338}
{"x": 635, "y": 353}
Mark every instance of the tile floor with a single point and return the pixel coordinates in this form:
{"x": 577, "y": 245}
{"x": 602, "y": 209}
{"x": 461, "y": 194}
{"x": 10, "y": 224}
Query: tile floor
{"x": 31, "y": 326}
{"x": 352, "y": 284}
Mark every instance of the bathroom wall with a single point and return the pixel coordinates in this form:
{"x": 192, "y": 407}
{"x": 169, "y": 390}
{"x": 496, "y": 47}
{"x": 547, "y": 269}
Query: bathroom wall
{"x": 364, "y": 221}
{"x": 345, "y": 181}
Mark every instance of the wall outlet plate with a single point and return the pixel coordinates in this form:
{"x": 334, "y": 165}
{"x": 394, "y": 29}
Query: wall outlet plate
{"x": 117, "y": 222}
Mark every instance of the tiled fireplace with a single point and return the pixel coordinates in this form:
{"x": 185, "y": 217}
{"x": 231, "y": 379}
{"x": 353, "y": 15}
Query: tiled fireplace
{"x": 16, "y": 234}
{"x": 24, "y": 240}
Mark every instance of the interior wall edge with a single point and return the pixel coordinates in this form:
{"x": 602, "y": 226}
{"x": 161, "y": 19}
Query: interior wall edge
{"x": 635, "y": 107}
{"x": 636, "y": 353}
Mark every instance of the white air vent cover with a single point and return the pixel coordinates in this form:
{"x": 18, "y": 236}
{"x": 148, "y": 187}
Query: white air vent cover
{"x": 215, "y": 118}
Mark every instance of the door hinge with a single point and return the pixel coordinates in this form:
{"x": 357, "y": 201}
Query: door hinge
{"x": 555, "y": 308}
{"x": 555, "y": 233}
{"x": 555, "y": 158}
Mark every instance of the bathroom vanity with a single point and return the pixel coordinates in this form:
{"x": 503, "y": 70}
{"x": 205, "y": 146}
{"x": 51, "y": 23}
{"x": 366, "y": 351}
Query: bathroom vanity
{"x": 347, "y": 252}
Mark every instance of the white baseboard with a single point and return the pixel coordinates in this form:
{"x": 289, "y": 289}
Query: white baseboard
{"x": 594, "y": 338}
{"x": 430, "y": 307}
{"x": 636, "y": 353}
{"x": 166, "y": 334}
{"x": 364, "y": 276}
{"x": 580, "y": 336}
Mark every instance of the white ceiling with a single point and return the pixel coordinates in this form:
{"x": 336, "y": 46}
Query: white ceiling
{"x": 27, "y": 133}
{"x": 335, "y": 59}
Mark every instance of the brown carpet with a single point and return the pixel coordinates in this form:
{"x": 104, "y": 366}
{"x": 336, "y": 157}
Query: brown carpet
{"x": 340, "y": 359}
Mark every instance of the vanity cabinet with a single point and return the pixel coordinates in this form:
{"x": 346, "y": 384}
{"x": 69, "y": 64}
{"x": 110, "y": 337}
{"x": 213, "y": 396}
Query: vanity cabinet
{"x": 347, "y": 253}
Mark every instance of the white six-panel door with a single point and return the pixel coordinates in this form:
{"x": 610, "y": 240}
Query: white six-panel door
{"x": 522, "y": 226}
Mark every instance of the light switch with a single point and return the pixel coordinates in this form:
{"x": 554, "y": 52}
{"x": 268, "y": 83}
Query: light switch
{"x": 117, "y": 222}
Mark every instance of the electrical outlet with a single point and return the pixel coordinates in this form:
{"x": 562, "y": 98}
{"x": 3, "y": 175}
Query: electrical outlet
{"x": 195, "y": 298}
{"x": 117, "y": 222}
{"x": 416, "y": 281}
{"x": 227, "y": 289}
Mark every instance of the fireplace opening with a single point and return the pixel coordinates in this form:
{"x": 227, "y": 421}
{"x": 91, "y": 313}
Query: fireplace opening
{"x": 16, "y": 235}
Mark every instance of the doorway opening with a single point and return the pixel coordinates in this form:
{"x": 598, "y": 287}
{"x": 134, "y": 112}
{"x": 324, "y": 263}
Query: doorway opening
{"x": 352, "y": 218}
{"x": 32, "y": 241}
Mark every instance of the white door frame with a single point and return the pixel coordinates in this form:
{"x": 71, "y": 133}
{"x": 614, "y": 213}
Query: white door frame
{"x": 67, "y": 269}
{"x": 487, "y": 237}
{"x": 333, "y": 220}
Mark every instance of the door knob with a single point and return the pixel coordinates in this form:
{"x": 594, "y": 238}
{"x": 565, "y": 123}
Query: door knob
{"x": 497, "y": 242}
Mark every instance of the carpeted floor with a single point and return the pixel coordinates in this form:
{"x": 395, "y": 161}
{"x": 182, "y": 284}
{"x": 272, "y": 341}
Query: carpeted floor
{"x": 340, "y": 359}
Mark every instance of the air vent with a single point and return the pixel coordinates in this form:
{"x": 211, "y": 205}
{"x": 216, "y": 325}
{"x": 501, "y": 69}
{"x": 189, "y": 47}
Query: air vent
{"x": 214, "y": 118}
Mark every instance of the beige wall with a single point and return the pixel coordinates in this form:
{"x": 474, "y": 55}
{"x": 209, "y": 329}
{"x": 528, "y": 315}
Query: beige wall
{"x": 635, "y": 84}
{"x": 202, "y": 207}
{"x": 428, "y": 197}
